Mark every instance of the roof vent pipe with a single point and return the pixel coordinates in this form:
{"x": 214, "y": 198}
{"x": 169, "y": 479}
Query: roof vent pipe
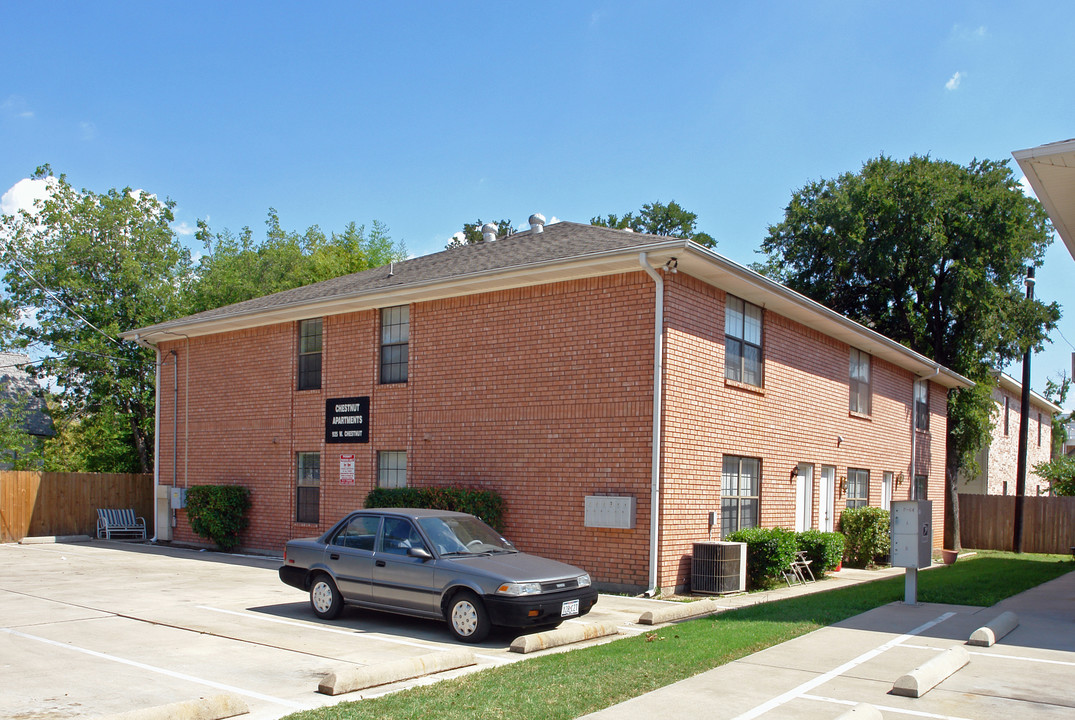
{"x": 537, "y": 223}
{"x": 489, "y": 231}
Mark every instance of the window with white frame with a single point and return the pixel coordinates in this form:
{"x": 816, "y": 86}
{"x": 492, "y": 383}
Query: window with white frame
{"x": 310, "y": 355}
{"x": 859, "y": 382}
{"x": 742, "y": 342}
{"x": 740, "y": 494}
{"x": 858, "y": 488}
{"x": 395, "y": 336}
{"x": 307, "y": 487}
{"x": 392, "y": 469}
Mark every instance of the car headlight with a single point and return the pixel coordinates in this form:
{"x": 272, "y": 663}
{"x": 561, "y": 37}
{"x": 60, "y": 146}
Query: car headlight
{"x": 516, "y": 589}
{"x": 584, "y": 580}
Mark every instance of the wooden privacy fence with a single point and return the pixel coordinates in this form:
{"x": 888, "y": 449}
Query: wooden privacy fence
{"x": 34, "y": 504}
{"x": 986, "y": 522}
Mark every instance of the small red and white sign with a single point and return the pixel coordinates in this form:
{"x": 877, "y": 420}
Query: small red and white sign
{"x": 347, "y": 469}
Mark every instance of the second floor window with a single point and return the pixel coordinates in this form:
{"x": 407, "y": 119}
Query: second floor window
{"x": 742, "y": 342}
{"x": 859, "y": 382}
{"x": 395, "y": 335}
{"x": 921, "y": 405}
{"x": 310, "y": 354}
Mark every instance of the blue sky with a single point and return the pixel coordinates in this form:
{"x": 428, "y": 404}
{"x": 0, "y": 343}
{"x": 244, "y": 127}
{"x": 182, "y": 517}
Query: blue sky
{"x": 426, "y": 115}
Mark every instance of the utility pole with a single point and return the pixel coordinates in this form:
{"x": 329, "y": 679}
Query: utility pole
{"x": 1024, "y": 429}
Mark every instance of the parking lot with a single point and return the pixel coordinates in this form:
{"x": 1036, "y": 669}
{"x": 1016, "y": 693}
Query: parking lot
{"x": 97, "y": 628}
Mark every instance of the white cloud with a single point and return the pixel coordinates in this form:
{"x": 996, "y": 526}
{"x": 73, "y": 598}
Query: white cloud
{"x": 183, "y": 228}
{"x": 953, "y": 82}
{"x": 21, "y": 195}
{"x": 458, "y": 236}
{"x": 16, "y": 106}
{"x": 89, "y": 130}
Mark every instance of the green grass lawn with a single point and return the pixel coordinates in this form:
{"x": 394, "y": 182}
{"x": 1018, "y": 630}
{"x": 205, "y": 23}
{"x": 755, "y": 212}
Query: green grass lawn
{"x": 567, "y": 685}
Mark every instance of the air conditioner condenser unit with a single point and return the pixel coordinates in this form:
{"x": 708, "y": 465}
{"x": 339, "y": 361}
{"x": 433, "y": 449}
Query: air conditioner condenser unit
{"x": 718, "y": 567}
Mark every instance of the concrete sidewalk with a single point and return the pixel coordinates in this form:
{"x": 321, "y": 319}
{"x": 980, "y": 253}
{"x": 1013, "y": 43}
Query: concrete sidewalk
{"x": 1027, "y": 674}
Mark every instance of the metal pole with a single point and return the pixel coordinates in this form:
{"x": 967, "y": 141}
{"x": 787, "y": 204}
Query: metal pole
{"x": 1024, "y": 429}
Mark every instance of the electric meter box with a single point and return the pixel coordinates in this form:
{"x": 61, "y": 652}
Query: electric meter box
{"x": 912, "y": 533}
{"x": 178, "y": 498}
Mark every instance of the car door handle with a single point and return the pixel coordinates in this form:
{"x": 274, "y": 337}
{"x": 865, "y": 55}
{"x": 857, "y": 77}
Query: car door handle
{"x": 379, "y": 563}
{"x": 334, "y": 556}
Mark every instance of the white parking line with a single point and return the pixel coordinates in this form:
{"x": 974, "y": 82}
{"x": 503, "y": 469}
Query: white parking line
{"x": 884, "y": 708}
{"x": 321, "y": 628}
{"x": 836, "y": 672}
{"x": 161, "y": 671}
{"x": 998, "y": 655}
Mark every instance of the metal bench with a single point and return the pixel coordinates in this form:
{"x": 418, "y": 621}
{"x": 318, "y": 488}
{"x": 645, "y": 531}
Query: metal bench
{"x": 120, "y": 524}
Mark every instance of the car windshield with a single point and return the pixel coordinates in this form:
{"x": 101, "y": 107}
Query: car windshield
{"x": 463, "y": 536}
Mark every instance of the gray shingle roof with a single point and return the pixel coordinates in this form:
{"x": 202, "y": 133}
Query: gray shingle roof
{"x": 559, "y": 241}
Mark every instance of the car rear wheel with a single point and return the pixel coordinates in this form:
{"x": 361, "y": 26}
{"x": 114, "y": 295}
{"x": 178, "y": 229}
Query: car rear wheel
{"x": 325, "y": 599}
{"x": 467, "y": 617}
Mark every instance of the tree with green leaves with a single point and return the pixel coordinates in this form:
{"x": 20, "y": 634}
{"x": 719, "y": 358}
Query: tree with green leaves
{"x": 656, "y": 218}
{"x": 1056, "y": 390}
{"x": 472, "y": 233}
{"x": 236, "y": 267}
{"x": 79, "y": 269}
{"x": 932, "y": 254}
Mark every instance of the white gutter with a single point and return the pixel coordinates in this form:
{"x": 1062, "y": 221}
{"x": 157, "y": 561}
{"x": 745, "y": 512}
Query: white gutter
{"x": 655, "y": 456}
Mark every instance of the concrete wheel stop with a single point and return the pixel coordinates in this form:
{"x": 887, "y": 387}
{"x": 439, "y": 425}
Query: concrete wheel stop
{"x": 679, "y": 611}
{"x": 927, "y": 676}
{"x": 562, "y": 636}
{"x": 354, "y": 678}
{"x": 216, "y": 707}
{"x": 989, "y": 633}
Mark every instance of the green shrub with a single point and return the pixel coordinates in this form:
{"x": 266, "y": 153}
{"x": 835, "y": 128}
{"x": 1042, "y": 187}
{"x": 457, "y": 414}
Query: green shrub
{"x": 1060, "y": 472}
{"x": 769, "y": 552}
{"x": 218, "y": 513}
{"x": 866, "y": 531}
{"x": 485, "y": 504}
{"x": 824, "y": 549}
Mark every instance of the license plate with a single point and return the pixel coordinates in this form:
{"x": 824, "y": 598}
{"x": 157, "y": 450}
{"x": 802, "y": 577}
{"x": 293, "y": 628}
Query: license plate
{"x": 571, "y": 607}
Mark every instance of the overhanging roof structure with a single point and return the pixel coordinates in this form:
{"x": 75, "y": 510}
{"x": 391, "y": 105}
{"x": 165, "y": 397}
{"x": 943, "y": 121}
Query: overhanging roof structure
{"x": 1050, "y": 169}
{"x": 563, "y": 251}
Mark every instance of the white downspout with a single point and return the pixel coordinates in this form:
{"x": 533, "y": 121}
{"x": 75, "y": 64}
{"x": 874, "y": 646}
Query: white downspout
{"x": 658, "y": 387}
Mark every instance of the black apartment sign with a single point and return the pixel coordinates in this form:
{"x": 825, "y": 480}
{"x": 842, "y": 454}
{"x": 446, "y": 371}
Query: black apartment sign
{"x": 347, "y": 420}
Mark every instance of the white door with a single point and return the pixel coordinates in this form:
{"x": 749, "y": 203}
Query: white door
{"x": 828, "y": 498}
{"x": 886, "y": 491}
{"x": 804, "y": 497}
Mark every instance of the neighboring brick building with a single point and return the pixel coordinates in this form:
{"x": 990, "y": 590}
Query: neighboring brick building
{"x": 526, "y": 365}
{"x": 998, "y": 460}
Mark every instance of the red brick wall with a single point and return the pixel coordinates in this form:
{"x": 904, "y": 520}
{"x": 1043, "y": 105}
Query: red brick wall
{"x": 543, "y": 394}
{"x": 796, "y": 418}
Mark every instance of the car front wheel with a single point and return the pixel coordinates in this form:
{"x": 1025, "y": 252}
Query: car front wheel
{"x": 325, "y": 598}
{"x": 467, "y": 617}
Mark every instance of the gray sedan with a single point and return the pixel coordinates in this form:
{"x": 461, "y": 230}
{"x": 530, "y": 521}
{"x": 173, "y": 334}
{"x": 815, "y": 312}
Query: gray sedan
{"x": 434, "y": 564}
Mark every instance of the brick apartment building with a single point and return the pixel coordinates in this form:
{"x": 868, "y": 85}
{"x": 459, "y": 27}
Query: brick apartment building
{"x": 998, "y": 459}
{"x": 613, "y": 387}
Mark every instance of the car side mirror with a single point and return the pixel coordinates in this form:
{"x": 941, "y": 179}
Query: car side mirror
{"x": 420, "y": 553}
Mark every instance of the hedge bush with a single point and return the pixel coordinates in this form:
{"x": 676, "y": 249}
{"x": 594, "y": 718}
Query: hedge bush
{"x": 769, "y": 552}
{"x": 824, "y": 549}
{"x": 485, "y": 504}
{"x": 867, "y": 534}
{"x": 218, "y": 513}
